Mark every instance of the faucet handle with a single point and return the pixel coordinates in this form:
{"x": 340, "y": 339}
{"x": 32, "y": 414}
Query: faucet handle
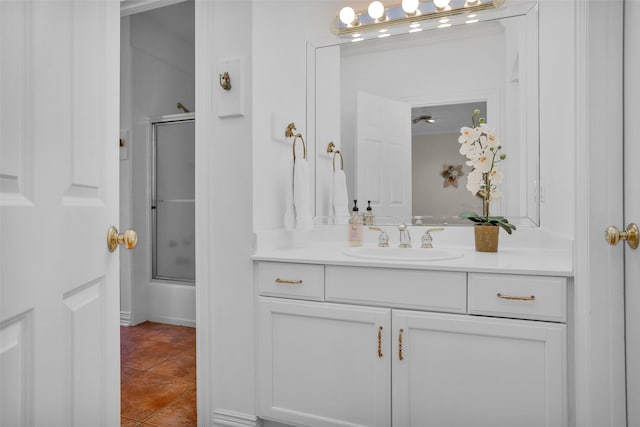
{"x": 427, "y": 239}
{"x": 383, "y": 238}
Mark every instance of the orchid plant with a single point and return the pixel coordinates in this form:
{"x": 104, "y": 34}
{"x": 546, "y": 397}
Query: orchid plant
{"x": 482, "y": 149}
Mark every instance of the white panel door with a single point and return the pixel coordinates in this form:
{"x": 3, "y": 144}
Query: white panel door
{"x": 632, "y": 206}
{"x": 59, "y": 311}
{"x": 452, "y": 370}
{"x": 383, "y": 152}
{"x": 324, "y": 364}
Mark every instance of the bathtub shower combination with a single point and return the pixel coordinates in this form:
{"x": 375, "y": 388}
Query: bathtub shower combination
{"x": 173, "y": 199}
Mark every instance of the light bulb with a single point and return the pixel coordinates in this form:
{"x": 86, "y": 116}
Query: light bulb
{"x": 347, "y": 15}
{"x": 410, "y": 6}
{"x": 376, "y": 10}
{"x": 441, "y": 4}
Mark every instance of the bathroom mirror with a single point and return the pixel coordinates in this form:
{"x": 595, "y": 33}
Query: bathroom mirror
{"x": 394, "y": 107}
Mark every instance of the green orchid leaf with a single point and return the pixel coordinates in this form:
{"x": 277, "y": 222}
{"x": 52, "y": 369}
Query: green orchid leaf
{"x": 498, "y": 221}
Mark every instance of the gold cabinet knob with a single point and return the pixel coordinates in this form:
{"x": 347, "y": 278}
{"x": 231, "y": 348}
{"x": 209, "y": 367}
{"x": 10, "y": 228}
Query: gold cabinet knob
{"x": 613, "y": 235}
{"x": 129, "y": 239}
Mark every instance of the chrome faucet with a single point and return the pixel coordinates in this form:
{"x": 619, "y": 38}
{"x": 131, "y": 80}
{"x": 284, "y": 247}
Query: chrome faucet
{"x": 405, "y": 237}
{"x": 427, "y": 239}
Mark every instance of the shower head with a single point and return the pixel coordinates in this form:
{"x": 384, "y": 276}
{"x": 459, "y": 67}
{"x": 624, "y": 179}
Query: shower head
{"x": 180, "y": 106}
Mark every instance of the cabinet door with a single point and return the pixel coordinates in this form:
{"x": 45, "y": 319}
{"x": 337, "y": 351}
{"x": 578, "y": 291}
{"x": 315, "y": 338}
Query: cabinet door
{"x": 451, "y": 370}
{"x": 324, "y": 364}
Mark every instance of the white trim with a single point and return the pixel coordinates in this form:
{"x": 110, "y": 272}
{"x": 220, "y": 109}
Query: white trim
{"x": 223, "y": 417}
{"x": 599, "y": 328}
{"x": 125, "y": 318}
{"x": 179, "y": 321}
{"x": 131, "y": 7}
{"x": 205, "y": 340}
{"x": 582, "y": 362}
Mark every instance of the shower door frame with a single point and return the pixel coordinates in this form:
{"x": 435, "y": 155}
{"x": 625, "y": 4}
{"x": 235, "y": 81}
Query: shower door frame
{"x": 154, "y": 121}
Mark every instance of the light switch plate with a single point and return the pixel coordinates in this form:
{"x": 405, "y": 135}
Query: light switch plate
{"x": 230, "y": 102}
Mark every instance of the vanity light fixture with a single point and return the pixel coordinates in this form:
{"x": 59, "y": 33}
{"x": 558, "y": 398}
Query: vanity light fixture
{"x": 376, "y": 12}
{"x": 348, "y": 16}
{"x": 410, "y": 7}
{"x": 442, "y": 4}
{"x": 402, "y": 16}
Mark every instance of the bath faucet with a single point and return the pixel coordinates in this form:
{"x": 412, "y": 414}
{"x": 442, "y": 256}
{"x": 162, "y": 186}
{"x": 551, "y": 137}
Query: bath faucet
{"x": 383, "y": 238}
{"x": 427, "y": 239}
{"x": 405, "y": 237}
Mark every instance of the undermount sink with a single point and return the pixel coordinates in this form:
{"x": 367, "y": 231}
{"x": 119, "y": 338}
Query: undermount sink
{"x": 402, "y": 254}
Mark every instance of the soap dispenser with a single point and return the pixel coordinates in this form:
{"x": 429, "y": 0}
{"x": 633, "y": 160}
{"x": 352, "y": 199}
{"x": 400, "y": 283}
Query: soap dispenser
{"x": 369, "y": 218}
{"x": 355, "y": 226}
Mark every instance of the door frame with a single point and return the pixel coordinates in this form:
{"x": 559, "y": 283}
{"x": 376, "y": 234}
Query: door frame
{"x": 598, "y": 347}
{"x": 205, "y": 341}
{"x": 632, "y": 212}
{"x": 204, "y": 132}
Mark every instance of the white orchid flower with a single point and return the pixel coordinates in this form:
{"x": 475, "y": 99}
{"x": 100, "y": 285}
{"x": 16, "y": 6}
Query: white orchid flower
{"x": 468, "y": 134}
{"x": 474, "y": 181}
{"x": 483, "y": 163}
{"x": 470, "y": 150}
{"x": 495, "y": 176}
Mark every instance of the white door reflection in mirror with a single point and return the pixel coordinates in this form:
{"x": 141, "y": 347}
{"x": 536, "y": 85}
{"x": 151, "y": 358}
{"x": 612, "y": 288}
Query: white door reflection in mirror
{"x": 383, "y": 165}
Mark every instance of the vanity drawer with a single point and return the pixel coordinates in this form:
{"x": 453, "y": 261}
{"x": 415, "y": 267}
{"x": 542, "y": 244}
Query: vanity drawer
{"x": 518, "y": 296}
{"x": 291, "y": 280}
{"x": 396, "y": 288}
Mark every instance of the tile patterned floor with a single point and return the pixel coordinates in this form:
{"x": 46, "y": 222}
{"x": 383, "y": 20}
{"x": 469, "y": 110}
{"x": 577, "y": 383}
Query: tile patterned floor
{"x": 158, "y": 375}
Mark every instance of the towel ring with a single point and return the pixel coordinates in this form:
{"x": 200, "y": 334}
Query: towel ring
{"x": 336, "y": 153}
{"x": 331, "y": 148}
{"x": 304, "y": 146}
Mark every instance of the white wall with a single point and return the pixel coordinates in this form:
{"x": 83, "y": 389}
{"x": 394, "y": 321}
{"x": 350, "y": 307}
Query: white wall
{"x": 280, "y": 83}
{"x": 157, "y": 71}
{"x": 224, "y": 175}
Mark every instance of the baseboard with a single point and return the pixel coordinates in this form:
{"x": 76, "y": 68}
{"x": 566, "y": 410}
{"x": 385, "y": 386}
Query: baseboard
{"x": 125, "y": 318}
{"x": 222, "y": 417}
{"x": 172, "y": 320}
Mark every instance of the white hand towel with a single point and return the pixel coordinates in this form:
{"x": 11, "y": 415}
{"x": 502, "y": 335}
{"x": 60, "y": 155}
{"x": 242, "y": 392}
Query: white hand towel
{"x": 301, "y": 195}
{"x": 289, "y": 216}
{"x": 339, "y": 196}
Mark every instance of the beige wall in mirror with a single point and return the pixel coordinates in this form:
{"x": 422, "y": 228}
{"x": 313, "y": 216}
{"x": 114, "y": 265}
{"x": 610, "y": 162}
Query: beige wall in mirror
{"x": 368, "y": 93}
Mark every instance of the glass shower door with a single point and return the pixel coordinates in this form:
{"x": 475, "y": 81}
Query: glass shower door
{"x": 173, "y": 195}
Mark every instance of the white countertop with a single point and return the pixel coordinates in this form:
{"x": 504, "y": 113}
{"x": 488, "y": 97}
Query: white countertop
{"x": 546, "y": 260}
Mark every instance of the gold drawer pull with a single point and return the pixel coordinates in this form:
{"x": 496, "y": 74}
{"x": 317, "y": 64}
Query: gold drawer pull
{"x": 400, "y": 356}
{"x": 509, "y": 297}
{"x": 288, "y": 282}
{"x": 380, "y": 342}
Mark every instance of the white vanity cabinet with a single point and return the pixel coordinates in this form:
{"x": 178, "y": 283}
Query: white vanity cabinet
{"x": 324, "y": 364}
{"x": 406, "y": 347}
{"x": 455, "y": 371}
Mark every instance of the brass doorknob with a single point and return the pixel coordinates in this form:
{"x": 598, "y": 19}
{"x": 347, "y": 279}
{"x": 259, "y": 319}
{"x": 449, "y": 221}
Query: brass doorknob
{"x": 613, "y": 235}
{"x": 129, "y": 239}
